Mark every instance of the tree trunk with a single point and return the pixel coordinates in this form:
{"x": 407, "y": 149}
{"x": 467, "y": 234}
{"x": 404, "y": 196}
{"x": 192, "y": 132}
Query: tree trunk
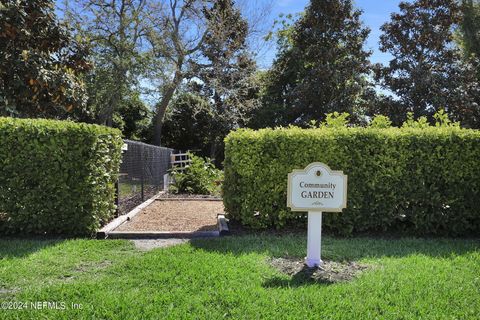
{"x": 106, "y": 116}
{"x": 160, "y": 114}
{"x": 213, "y": 149}
{"x": 162, "y": 107}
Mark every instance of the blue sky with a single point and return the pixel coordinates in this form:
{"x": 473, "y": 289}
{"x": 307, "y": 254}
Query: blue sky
{"x": 375, "y": 13}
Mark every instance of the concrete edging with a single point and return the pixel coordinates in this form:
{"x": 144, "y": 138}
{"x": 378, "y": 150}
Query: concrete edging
{"x": 115, "y": 223}
{"x": 222, "y": 225}
{"x": 187, "y": 199}
{"x": 161, "y": 234}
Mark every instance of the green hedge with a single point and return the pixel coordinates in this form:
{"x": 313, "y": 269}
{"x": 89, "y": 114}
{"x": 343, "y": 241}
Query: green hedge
{"x": 422, "y": 181}
{"x": 56, "y": 177}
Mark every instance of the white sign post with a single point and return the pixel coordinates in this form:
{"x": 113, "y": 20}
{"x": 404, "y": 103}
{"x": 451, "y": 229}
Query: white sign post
{"x": 316, "y": 189}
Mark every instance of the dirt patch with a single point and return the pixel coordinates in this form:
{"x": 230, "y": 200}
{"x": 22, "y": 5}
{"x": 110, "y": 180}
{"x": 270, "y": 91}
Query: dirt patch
{"x": 174, "y": 215}
{"x": 329, "y": 272}
{"x": 85, "y": 267}
{"x": 8, "y": 291}
{"x": 149, "y": 244}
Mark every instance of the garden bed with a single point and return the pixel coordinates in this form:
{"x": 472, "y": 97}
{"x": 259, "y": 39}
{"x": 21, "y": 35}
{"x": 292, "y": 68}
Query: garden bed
{"x": 173, "y": 215}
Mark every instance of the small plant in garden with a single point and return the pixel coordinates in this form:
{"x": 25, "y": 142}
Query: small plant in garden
{"x": 199, "y": 177}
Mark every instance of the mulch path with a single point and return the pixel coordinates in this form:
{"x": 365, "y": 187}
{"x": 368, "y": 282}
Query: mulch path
{"x": 175, "y": 215}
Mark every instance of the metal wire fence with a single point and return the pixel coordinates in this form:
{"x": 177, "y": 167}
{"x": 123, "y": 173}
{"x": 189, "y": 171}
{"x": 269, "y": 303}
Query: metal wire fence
{"x": 141, "y": 173}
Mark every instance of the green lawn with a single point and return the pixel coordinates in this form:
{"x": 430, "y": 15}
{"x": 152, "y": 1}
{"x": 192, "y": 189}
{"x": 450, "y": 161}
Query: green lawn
{"x": 230, "y": 278}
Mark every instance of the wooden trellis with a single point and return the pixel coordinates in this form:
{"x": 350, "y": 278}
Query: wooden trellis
{"x": 180, "y": 161}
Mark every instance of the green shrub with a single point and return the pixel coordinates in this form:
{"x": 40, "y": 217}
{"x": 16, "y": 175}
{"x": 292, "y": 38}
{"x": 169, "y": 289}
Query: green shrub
{"x": 419, "y": 180}
{"x": 421, "y": 122}
{"x": 199, "y": 177}
{"x": 332, "y": 120}
{"x": 380, "y": 122}
{"x": 336, "y": 120}
{"x": 56, "y": 177}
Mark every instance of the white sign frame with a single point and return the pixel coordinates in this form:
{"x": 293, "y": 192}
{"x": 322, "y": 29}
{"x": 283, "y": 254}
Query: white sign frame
{"x": 308, "y": 169}
{"x": 314, "y": 235}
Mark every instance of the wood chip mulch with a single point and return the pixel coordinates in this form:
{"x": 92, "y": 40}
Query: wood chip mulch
{"x": 174, "y": 215}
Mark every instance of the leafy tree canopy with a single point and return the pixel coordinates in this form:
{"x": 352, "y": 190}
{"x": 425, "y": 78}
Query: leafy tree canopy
{"x": 427, "y": 72}
{"x": 321, "y": 67}
{"x": 116, "y": 31}
{"x": 188, "y": 124}
{"x": 225, "y": 77}
{"x": 470, "y": 27}
{"x": 40, "y": 63}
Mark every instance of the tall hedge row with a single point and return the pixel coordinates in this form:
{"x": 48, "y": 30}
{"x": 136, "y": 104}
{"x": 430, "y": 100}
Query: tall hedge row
{"x": 422, "y": 181}
{"x": 56, "y": 177}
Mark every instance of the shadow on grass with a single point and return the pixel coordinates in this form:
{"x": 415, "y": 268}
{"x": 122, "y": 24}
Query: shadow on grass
{"x": 19, "y": 247}
{"x": 338, "y": 249}
{"x": 303, "y": 277}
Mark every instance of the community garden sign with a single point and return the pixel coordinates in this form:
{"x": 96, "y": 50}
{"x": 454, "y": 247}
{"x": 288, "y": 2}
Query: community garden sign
{"x": 316, "y": 189}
